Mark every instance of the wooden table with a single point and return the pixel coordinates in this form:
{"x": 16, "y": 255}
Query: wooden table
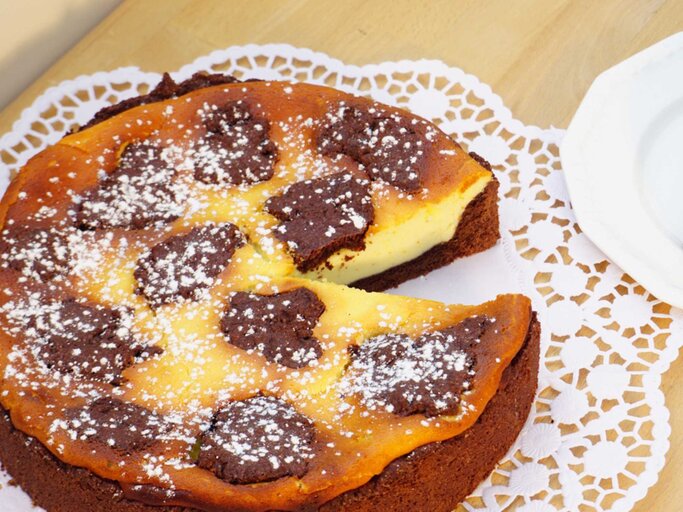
{"x": 539, "y": 55}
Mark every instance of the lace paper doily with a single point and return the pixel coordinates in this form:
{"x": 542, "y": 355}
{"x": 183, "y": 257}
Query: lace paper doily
{"x": 598, "y": 432}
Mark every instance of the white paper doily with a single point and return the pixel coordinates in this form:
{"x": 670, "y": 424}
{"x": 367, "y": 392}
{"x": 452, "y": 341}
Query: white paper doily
{"x": 598, "y": 432}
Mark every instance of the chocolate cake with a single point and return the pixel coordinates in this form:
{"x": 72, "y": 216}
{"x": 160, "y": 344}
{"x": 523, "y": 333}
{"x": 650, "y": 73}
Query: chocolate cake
{"x": 176, "y": 329}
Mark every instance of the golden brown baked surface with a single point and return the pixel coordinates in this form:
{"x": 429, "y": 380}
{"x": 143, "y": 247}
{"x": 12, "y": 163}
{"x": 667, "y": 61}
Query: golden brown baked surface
{"x": 165, "y": 320}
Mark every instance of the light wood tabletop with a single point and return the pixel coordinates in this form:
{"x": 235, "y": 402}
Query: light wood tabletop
{"x": 539, "y": 55}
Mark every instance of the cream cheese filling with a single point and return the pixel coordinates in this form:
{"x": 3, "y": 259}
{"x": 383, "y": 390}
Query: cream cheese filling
{"x": 392, "y": 245}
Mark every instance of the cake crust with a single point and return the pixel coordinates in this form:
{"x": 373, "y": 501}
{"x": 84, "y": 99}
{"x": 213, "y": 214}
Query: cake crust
{"x": 422, "y": 481}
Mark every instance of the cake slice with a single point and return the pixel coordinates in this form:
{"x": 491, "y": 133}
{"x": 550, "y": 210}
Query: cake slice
{"x": 176, "y": 329}
{"x": 340, "y": 187}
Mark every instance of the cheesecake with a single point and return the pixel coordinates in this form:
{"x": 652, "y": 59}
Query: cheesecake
{"x": 190, "y": 316}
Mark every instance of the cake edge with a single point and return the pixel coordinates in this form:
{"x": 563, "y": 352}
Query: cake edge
{"x": 421, "y": 481}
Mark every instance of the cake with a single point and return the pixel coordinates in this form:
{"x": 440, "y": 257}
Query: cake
{"x": 190, "y": 316}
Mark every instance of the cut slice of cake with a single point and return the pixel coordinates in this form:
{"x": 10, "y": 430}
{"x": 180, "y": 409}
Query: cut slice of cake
{"x": 175, "y": 329}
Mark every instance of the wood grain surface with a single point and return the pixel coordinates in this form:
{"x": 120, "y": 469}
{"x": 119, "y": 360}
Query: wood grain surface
{"x": 539, "y": 55}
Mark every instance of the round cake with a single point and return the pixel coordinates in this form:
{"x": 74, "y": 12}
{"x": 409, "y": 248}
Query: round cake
{"x": 189, "y": 316}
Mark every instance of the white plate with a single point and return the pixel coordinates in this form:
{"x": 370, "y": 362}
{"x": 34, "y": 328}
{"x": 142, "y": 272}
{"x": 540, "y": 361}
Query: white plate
{"x": 623, "y": 162}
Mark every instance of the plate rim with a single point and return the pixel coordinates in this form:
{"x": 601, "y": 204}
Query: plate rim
{"x": 602, "y": 233}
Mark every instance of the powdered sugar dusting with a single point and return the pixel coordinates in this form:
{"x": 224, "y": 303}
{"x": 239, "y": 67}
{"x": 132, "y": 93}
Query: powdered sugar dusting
{"x": 144, "y": 189}
{"x": 406, "y": 376}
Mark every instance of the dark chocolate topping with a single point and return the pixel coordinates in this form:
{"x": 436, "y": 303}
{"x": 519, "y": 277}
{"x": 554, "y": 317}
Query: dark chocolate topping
{"x": 139, "y": 192}
{"x": 279, "y": 326}
{"x": 236, "y": 149}
{"x": 386, "y": 145}
{"x": 166, "y": 88}
{"x": 183, "y": 266}
{"x": 320, "y": 216}
{"x": 121, "y": 426}
{"x": 427, "y": 375}
{"x": 40, "y": 254}
{"x": 257, "y": 440}
{"x": 87, "y": 340}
